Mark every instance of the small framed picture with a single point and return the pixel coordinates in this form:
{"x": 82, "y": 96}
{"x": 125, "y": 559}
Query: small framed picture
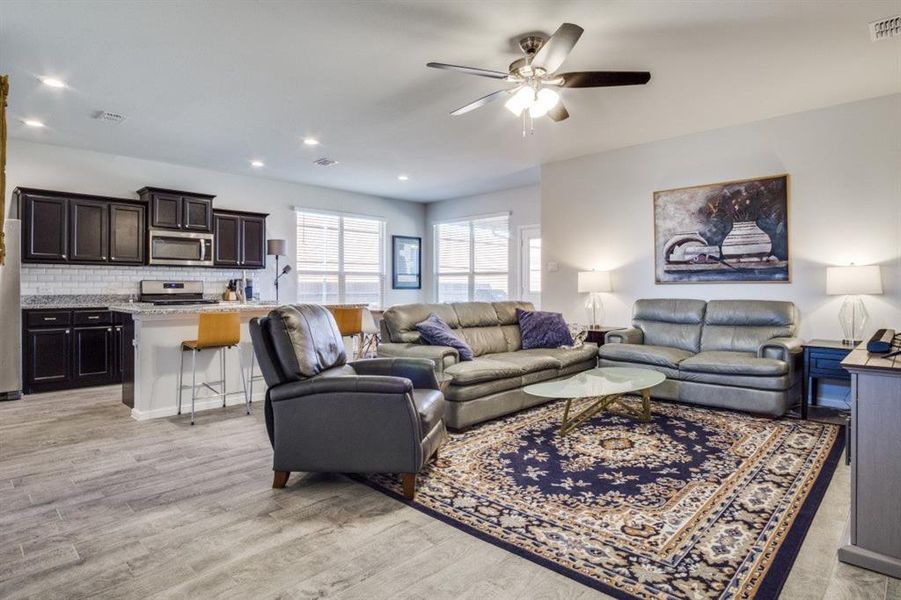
{"x": 406, "y": 262}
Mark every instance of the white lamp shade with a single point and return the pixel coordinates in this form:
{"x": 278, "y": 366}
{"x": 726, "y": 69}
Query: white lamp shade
{"x": 853, "y": 280}
{"x": 594, "y": 281}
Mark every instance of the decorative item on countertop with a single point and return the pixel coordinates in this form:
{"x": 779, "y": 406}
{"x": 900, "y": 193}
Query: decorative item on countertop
{"x": 277, "y": 248}
{"x": 229, "y": 294}
{"x": 248, "y": 290}
{"x": 851, "y": 282}
{"x": 594, "y": 283}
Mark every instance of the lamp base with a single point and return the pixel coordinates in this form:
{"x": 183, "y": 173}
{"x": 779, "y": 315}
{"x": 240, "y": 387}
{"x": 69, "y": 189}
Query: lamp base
{"x": 853, "y": 317}
{"x": 594, "y": 306}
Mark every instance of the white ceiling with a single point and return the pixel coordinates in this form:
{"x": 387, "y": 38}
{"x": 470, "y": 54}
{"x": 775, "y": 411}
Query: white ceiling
{"x": 216, "y": 84}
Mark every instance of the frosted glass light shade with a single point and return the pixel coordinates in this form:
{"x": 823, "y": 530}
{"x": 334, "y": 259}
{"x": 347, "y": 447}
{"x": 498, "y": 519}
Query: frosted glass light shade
{"x": 853, "y": 280}
{"x": 520, "y": 100}
{"x": 594, "y": 281}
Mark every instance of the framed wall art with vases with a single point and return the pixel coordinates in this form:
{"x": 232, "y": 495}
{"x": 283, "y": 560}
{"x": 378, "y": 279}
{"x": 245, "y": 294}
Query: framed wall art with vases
{"x": 729, "y": 232}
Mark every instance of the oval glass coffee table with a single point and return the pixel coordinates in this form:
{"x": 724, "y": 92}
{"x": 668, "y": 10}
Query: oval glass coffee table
{"x": 607, "y": 386}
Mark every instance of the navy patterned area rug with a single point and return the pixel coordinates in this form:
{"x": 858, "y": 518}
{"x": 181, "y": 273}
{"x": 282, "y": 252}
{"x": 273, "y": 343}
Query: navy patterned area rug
{"x": 696, "y": 504}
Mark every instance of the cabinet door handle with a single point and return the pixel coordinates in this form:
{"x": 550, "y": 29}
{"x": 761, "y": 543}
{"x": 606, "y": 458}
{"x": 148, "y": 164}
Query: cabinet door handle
{"x": 93, "y": 316}
{"x": 50, "y": 318}
{"x": 67, "y": 331}
{"x": 102, "y": 258}
{"x": 64, "y": 256}
{"x": 109, "y": 328}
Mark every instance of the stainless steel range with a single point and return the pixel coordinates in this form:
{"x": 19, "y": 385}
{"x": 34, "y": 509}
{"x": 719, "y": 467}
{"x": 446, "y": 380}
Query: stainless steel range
{"x": 173, "y": 293}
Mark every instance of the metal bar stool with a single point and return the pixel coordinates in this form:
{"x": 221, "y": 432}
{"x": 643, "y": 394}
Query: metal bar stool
{"x": 215, "y": 331}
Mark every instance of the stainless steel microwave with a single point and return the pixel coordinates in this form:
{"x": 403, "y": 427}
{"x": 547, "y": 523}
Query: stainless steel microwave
{"x": 183, "y": 248}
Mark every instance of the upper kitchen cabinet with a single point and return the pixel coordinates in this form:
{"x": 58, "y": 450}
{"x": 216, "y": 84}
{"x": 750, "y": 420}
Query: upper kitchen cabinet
{"x": 171, "y": 209}
{"x": 240, "y": 239}
{"x": 61, "y": 227}
{"x": 45, "y": 225}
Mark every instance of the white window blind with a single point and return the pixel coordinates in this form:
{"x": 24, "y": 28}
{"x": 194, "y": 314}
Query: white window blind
{"x": 472, "y": 259}
{"x": 340, "y": 259}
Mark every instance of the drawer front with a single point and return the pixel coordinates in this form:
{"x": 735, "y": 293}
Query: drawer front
{"x": 827, "y": 363}
{"x": 92, "y": 317}
{"x": 48, "y": 318}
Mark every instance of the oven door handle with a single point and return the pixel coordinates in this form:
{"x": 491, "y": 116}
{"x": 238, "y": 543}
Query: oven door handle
{"x": 202, "y": 250}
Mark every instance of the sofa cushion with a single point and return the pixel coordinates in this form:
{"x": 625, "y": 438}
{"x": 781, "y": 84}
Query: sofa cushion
{"x": 743, "y": 325}
{"x": 776, "y": 383}
{"x": 567, "y": 356}
{"x": 543, "y": 329}
{"x": 435, "y": 332}
{"x": 670, "y": 323}
{"x": 482, "y": 368}
{"x": 400, "y": 321}
{"x": 528, "y": 362}
{"x": 734, "y": 363}
{"x": 663, "y": 356}
{"x": 430, "y": 407}
{"x": 465, "y": 393}
{"x": 483, "y": 340}
{"x": 306, "y": 340}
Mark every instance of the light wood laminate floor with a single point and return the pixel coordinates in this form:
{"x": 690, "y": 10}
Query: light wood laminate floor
{"x": 95, "y": 504}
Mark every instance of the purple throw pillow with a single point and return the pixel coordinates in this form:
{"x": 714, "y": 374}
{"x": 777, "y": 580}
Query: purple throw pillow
{"x": 435, "y": 332}
{"x": 542, "y": 329}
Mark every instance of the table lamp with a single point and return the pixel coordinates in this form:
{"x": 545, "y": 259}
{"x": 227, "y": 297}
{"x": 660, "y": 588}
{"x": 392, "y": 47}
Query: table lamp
{"x": 851, "y": 282}
{"x": 594, "y": 283}
{"x": 277, "y": 248}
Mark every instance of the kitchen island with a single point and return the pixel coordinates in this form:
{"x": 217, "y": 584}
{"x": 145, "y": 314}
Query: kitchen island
{"x": 150, "y": 385}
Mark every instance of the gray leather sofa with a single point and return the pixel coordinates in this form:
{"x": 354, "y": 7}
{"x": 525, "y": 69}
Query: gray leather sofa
{"x": 735, "y": 354}
{"x": 490, "y": 385}
{"x": 323, "y": 414}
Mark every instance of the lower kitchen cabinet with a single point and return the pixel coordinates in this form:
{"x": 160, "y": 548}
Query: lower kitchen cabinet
{"x": 67, "y": 349}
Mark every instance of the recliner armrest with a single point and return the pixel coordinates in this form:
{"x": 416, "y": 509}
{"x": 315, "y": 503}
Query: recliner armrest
{"x": 420, "y": 371}
{"x": 632, "y": 335}
{"x": 338, "y": 385}
{"x": 787, "y": 349}
{"x": 439, "y": 355}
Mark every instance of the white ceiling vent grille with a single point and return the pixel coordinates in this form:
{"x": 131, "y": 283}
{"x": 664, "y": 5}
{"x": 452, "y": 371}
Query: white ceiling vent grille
{"x": 109, "y": 117}
{"x": 325, "y": 162}
{"x": 885, "y": 28}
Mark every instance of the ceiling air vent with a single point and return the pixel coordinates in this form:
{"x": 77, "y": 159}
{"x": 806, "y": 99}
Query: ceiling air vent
{"x": 325, "y": 162}
{"x": 109, "y": 117}
{"x": 885, "y": 28}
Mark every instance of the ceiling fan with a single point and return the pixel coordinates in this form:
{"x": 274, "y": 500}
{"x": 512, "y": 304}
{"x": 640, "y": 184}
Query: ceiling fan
{"x": 535, "y": 75}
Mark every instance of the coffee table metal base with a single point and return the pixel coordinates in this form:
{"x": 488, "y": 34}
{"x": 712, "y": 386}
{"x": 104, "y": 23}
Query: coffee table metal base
{"x": 603, "y": 403}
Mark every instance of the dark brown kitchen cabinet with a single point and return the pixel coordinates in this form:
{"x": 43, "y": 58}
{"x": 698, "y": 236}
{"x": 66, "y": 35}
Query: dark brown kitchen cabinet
{"x": 127, "y": 233}
{"x": 172, "y": 209}
{"x": 45, "y": 226}
{"x": 61, "y": 227}
{"x": 240, "y": 239}
{"x": 72, "y": 348}
{"x": 88, "y": 230}
{"x": 47, "y": 357}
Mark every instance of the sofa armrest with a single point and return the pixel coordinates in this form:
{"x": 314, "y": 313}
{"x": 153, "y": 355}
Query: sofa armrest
{"x": 624, "y": 336}
{"x": 786, "y": 349}
{"x": 440, "y": 356}
{"x": 341, "y": 385}
{"x": 420, "y": 371}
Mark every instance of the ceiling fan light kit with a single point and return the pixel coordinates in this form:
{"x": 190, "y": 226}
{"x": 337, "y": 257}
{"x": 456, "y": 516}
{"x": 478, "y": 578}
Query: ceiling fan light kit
{"x": 535, "y": 76}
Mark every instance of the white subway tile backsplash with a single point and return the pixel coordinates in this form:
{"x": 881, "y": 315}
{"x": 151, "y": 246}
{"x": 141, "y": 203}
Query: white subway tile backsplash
{"x": 84, "y": 279}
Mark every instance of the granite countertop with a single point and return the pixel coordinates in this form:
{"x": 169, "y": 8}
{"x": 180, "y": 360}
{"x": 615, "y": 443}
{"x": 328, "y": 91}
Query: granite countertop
{"x": 63, "y": 301}
{"x": 146, "y": 308}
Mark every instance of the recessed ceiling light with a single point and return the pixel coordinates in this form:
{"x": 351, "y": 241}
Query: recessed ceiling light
{"x": 310, "y": 141}
{"x": 403, "y": 177}
{"x": 33, "y": 123}
{"x": 257, "y": 164}
{"x": 53, "y": 82}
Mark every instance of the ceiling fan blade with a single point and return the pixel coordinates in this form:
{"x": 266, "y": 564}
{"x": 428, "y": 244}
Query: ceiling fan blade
{"x": 481, "y": 102}
{"x": 555, "y": 50}
{"x": 469, "y": 70}
{"x": 583, "y": 79}
{"x": 558, "y": 113}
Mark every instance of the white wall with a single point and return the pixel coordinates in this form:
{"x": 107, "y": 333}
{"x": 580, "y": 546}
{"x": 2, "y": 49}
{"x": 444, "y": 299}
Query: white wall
{"x": 71, "y": 170}
{"x": 523, "y": 204}
{"x": 844, "y": 164}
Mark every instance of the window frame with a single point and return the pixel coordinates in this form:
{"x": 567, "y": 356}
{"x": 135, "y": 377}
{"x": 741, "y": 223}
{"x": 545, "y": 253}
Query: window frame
{"x": 342, "y": 273}
{"x": 471, "y": 274}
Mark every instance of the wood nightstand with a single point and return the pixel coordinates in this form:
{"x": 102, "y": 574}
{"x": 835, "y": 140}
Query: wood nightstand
{"x": 822, "y": 358}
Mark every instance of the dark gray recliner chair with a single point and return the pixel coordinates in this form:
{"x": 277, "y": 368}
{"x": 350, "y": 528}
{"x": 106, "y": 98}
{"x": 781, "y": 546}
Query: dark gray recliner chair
{"x": 382, "y": 415}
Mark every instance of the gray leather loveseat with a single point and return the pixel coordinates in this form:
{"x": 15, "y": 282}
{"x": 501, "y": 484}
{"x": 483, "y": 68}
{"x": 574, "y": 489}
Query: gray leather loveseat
{"x": 490, "y": 385}
{"x": 736, "y": 354}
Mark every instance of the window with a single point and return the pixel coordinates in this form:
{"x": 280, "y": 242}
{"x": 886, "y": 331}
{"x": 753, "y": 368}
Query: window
{"x": 472, "y": 259}
{"x": 340, "y": 259}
